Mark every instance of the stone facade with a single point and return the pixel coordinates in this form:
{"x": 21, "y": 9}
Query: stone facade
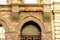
{"x": 15, "y": 14}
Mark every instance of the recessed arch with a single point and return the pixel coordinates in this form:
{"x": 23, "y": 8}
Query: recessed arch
{"x": 3, "y": 28}
{"x": 30, "y": 18}
{"x": 31, "y": 30}
{"x": 23, "y": 21}
{"x": 31, "y": 26}
{"x": 5, "y": 23}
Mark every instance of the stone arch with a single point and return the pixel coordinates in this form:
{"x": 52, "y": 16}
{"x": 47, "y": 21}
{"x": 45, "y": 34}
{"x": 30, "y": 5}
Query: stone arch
{"x": 30, "y": 18}
{"x": 31, "y": 30}
{"x": 4, "y": 22}
{"x": 33, "y": 25}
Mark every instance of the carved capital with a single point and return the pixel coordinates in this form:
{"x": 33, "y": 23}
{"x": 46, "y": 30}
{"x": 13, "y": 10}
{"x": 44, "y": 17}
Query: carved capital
{"x": 15, "y": 8}
{"x": 47, "y": 17}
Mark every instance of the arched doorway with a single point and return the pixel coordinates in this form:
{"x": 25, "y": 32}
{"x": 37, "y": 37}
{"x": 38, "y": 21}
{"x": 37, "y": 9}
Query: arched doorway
{"x": 31, "y": 31}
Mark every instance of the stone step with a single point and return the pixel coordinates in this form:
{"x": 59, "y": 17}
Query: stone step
{"x": 57, "y": 39}
{"x": 56, "y": 11}
{"x": 57, "y": 28}
{"x": 56, "y": 8}
{"x": 57, "y": 32}
{"x": 57, "y": 23}
{"x": 57, "y": 36}
{"x": 56, "y": 1}
{"x": 57, "y": 14}
{"x": 57, "y": 17}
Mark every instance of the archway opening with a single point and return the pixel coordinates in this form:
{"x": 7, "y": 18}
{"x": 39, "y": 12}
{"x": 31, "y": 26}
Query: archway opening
{"x": 31, "y": 31}
{"x": 2, "y": 32}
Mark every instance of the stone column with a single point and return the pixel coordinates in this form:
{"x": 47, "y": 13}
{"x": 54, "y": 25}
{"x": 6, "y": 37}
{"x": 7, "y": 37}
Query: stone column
{"x": 15, "y": 12}
{"x": 11, "y": 36}
{"x": 47, "y": 21}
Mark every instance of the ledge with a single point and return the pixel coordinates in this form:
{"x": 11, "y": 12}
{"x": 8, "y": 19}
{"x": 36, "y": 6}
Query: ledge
{"x": 4, "y": 4}
{"x": 58, "y": 11}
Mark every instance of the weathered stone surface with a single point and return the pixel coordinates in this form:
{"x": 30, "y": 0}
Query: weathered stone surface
{"x": 17, "y": 10}
{"x": 47, "y": 17}
{"x": 11, "y": 36}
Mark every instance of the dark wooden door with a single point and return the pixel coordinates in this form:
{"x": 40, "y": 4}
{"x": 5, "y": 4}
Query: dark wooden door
{"x": 30, "y": 37}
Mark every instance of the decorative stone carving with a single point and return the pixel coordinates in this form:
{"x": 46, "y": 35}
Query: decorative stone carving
{"x": 47, "y": 17}
{"x": 15, "y": 16}
{"x": 15, "y": 12}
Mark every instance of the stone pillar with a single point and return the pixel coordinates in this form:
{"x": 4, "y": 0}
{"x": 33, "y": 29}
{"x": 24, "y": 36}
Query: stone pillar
{"x": 47, "y": 21}
{"x": 15, "y": 12}
{"x": 47, "y": 17}
{"x": 47, "y": 13}
{"x": 11, "y": 36}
